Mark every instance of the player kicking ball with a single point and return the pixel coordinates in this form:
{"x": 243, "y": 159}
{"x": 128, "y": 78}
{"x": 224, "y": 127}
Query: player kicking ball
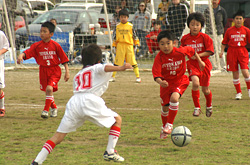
{"x": 86, "y": 104}
{"x": 169, "y": 72}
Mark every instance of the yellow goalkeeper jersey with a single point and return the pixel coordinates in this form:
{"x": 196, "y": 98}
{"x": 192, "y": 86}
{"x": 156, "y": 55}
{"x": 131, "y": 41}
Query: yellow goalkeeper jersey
{"x": 124, "y": 33}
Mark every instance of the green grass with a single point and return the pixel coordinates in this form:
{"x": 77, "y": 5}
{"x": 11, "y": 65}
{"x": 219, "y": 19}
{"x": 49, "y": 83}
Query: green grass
{"x": 221, "y": 139}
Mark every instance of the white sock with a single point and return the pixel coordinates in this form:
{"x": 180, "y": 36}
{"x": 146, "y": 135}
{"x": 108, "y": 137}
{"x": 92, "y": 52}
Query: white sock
{"x": 41, "y": 157}
{"x": 2, "y": 101}
{"x": 111, "y": 144}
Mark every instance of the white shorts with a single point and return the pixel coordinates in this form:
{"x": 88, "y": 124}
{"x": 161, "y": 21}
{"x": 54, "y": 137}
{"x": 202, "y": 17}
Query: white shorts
{"x": 83, "y": 107}
{"x": 2, "y": 84}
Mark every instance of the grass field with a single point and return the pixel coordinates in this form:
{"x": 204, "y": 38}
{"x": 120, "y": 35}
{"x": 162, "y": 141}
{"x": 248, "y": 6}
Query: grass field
{"x": 221, "y": 139}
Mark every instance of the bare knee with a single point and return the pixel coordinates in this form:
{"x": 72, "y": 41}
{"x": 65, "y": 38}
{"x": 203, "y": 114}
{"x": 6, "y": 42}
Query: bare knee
{"x": 118, "y": 122}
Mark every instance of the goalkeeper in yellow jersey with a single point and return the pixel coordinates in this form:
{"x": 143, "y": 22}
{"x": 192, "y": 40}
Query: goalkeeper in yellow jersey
{"x": 125, "y": 38}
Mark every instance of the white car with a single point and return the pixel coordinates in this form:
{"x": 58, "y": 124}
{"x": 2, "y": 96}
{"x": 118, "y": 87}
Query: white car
{"x": 77, "y": 5}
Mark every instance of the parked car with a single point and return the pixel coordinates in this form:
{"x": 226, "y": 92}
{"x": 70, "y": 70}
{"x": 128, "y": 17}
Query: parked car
{"x": 76, "y": 20}
{"x": 77, "y": 5}
{"x": 39, "y": 7}
{"x": 231, "y": 7}
{"x": 19, "y": 22}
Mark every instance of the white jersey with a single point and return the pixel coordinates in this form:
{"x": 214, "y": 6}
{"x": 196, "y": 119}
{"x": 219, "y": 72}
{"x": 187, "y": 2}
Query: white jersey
{"x": 86, "y": 104}
{"x": 4, "y": 44}
{"x": 92, "y": 79}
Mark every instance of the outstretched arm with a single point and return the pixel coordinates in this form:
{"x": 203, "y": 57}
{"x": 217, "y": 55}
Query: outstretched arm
{"x": 111, "y": 68}
{"x": 20, "y": 58}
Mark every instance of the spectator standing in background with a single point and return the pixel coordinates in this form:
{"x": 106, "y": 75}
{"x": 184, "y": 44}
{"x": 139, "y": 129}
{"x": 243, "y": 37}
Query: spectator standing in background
{"x": 57, "y": 29}
{"x": 149, "y": 6}
{"x": 162, "y": 11}
{"x": 124, "y": 5}
{"x": 151, "y": 38}
{"x": 176, "y": 17}
{"x": 220, "y": 16}
{"x": 115, "y": 17}
{"x": 142, "y": 25}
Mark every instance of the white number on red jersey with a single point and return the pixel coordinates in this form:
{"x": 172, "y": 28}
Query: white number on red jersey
{"x": 83, "y": 80}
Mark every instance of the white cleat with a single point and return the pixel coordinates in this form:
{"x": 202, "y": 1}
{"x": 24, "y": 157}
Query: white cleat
{"x": 45, "y": 114}
{"x": 138, "y": 79}
{"x": 238, "y": 96}
{"x": 112, "y": 79}
{"x": 115, "y": 157}
{"x": 53, "y": 112}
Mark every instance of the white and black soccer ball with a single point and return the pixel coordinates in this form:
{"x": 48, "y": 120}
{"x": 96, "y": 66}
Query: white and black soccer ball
{"x": 107, "y": 57}
{"x": 181, "y": 136}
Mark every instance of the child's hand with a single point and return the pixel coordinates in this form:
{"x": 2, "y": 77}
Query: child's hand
{"x": 202, "y": 65}
{"x": 20, "y": 59}
{"x": 221, "y": 54}
{"x": 127, "y": 66}
{"x": 66, "y": 76}
{"x": 163, "y": 84}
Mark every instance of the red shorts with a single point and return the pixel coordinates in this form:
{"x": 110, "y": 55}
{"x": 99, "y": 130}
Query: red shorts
{"x": 236, "y": 56}
{"x": 49, "y": 76}
{"x": 194, "y": 69}
{"x": 178, "y": 86}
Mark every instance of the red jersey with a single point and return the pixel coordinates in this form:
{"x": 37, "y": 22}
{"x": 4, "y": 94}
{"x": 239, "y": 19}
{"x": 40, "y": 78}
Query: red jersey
{"x": 201, "y": 43}
{"x": 46, "y": 53}
{"x": 171, "y": 66}
{"x": 153, "y": 33}
{"x": 236, "y": 37}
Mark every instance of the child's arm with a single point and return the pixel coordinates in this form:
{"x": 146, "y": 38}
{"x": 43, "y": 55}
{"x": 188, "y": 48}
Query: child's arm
{"x": 201, "y": 63}
{"x": 66, "y": 76}
{"x": 111, "y": 68}
{"x": 204, "y": 54}
{"x": 20, "y": 58}
{"x": 2, "y": 51}
{"x": 222, "y": 50}
{"x": 163, "y": 83}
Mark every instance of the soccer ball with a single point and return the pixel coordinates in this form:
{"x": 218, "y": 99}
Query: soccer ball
{"x": 181, "y": 136}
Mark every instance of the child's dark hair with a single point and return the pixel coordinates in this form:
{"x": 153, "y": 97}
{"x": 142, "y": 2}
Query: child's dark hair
{"x": 197, "y": 16}
{"x": 49, "y": 25}
{"x": 91, "y": 54}
{"x": 239, "y": 13}
{"x": 156, "y": 22}
{"x": 123, "y": 12}
{"x": 166, "y": 34}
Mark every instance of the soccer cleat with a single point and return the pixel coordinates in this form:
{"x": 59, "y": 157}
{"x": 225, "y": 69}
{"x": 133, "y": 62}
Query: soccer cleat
{"x": 115, "y": 157}
{"x": 45, "y": 114}
{"x": 162, "y": 134}
{"x": 168, "y": 128}
{"x": 197, "y": 112}
{"x": 34, "y": 163}
{"x": 249, "y": 92}
{"x": 209, "y": 111}
{"x": 2, "y": 112}
{"x": 53, "y": 112}
{"x": 238, "y": 96}
{"x": 112, "y": 79}
{"x": 138, "y": 79}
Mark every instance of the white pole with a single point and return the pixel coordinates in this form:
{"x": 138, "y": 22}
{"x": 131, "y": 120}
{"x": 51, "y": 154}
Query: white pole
{"x": 107, "y": 22}
{"x": 9, "y": 32}
{"x": 192, "y": 6}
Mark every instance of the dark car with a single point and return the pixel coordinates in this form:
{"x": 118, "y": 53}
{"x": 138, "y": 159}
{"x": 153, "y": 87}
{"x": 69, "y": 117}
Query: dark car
{"x": 68, "y": 20}
{"x": 231, "y": 7}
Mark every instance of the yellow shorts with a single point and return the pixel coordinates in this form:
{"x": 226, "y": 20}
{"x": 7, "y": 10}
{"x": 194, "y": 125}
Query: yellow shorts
{"x": 125, "y": 52}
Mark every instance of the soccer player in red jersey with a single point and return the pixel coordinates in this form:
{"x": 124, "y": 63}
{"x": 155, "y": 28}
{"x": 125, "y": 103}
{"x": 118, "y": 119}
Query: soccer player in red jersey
{"x": 48, "y": 54}
{"x": 236, "y": 38}
{"x": 203, "y": 45}
{"x": 151, "y": 38}
{"x": 169, "y": 72}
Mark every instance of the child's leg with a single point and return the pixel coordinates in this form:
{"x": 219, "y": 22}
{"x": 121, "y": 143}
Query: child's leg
{"x": 114, "y": 134}
{"x": 49, "y": 97}
{"x": 236, "y": 81}
{"x": 49, "y": 146}
{"x": 195, "y": 91}
{"x": 53, "y": 104}
{"x": 136, "y": 70}
{"x": 1, "y": 99}
{"x": 245, "y": 73}
{"x": 164, "y": 115}
{"x": 173, "y": 107}
{"x": 208, "y": 95}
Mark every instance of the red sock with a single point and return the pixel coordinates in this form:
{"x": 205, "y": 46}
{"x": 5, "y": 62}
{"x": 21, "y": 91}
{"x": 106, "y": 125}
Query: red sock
{"x": 173, "y": 109}
{"x": 196, "y": 98}
{"x": 48, "y": 102}
{"x": 2, "y": 95}
{"x": 53, "y": 104}
{"x": 49, "y": 146}
{"x": 209, "y": 99}
{"x": 237, "y": 85}
{"x": 247, "y": 80}
{"x": 115, "y": 131}
{"x": 164, "y": 117}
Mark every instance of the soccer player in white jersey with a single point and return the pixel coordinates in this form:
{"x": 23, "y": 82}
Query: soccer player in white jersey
{"x": 4, "y": 46}
{"x": 86, "y": 104}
